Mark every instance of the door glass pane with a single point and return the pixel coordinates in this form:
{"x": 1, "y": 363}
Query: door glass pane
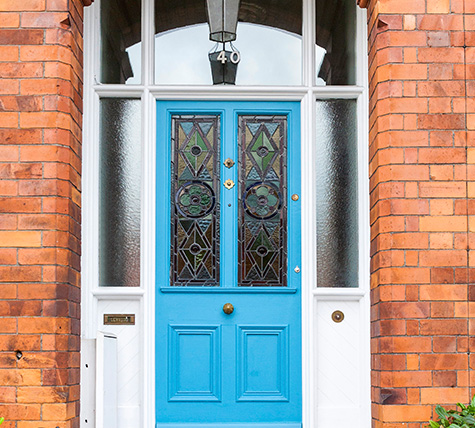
{"x": 336, "y": 42}
{"x": 121, "y": 47}
{"x": 268, "y": 39}
{"x": 262, "y": 201}
{"x": 120, "y": 167}
{"x": 195, "y": 200}
{"x": 337, "y": 194}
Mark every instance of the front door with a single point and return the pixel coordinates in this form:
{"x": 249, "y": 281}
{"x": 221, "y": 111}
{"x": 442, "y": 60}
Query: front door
{"x": 228, "y": 313}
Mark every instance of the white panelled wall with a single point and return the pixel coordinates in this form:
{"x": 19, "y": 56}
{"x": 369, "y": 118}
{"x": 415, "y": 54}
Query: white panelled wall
{"x": 336, "y": 357}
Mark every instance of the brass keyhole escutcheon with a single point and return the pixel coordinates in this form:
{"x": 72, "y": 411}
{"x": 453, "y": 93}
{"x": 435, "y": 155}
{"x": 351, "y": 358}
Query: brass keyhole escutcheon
{"x": 228, "y": 308}
{"x": 228, "y": 163}
{"x": 338, "y": 316}
{"x": 229, "y": 184}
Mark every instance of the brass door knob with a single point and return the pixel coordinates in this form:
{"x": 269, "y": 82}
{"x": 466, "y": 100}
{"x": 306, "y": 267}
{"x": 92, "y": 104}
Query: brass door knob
{"x": 228, "y": 308}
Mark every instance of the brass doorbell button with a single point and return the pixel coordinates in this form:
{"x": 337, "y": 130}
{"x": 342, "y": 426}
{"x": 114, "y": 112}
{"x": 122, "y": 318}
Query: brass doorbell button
{"x": 338, "y": 316}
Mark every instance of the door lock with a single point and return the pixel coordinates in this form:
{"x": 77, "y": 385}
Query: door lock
{"x": 229, "y": 184}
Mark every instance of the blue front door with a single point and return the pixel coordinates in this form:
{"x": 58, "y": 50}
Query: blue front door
{"x": 228, "y": 317}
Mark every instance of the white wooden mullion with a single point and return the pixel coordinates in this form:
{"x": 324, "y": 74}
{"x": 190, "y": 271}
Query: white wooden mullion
{"x": 308, "y": 257}
{"x": 148, "y": 255}
{"x": 308, "y": 43}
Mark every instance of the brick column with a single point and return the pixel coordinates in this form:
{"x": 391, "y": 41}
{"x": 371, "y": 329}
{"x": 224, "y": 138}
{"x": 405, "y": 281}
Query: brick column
{"x": 40, "y": 168}
{"x": 419, "y": 221}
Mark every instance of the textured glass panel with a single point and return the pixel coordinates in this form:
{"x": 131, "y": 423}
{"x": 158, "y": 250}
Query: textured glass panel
{"x": 336, "y": 42}
{"x": 262, "y": 201}
{"x": 337, "y": 194}
{"x": 268, "y": 38}
{"x": 121, "y": 41}
{"x": 195, "y": 201}
{"x": 119, "y": 190}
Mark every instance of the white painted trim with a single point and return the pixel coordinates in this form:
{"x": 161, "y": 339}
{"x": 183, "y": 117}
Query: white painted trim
{"x": 148, "y": 255}
{"x": 308, "y": 258}
{"x": 283, "y": 93}
{"x": 119, "y": 293}
{"x": 89, "y": 194}
{"x": 339, "y": 293}
{"x": 364, "y": 216}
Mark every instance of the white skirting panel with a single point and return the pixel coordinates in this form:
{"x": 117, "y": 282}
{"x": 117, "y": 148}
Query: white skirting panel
{"x": 130, "y": 359}
{"x": 341, "y": 372}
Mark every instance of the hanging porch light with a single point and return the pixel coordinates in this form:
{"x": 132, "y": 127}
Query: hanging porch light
{"x": 222, "y": 19}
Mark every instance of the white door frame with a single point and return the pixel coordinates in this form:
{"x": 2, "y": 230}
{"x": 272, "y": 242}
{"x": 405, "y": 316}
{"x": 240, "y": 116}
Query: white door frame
{"x": 143, "y": 298}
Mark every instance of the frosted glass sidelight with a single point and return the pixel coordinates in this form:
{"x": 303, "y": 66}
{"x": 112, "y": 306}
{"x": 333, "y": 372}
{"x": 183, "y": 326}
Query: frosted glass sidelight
{"x": 119, "y": 189}
{"x": 121, "y": 47}
{"x": 337, "y": 194}
{"x": 335, "y": 49}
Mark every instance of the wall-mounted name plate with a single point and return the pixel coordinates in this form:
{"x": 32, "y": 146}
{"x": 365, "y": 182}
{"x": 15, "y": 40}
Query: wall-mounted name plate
{"x": 119, "y": 319}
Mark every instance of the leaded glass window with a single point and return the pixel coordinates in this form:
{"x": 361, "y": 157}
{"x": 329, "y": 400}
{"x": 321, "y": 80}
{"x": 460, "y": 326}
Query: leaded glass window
{"x": 262, "y": 205}
{"x": 195, "y": 200}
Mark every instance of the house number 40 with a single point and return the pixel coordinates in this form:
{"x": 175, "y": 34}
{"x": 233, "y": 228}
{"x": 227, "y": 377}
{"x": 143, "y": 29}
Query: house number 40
{"x": 234, "y": 57}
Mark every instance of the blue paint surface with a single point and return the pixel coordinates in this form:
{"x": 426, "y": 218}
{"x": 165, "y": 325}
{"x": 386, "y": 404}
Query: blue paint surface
{"x": 241, "y": 370}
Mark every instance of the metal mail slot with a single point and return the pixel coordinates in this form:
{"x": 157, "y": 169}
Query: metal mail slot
{"x": 119, "y": 319}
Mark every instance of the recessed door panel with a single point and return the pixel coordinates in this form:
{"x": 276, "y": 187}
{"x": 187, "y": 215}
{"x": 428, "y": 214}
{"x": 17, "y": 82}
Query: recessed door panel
{"x": 263, "y": 358}
{"x": 194, "y": 363}
{"x": 228, "y": 233}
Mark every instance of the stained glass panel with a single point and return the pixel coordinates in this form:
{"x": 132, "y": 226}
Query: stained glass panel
{"x": 262, "y": 201}
{"x": 195, "y": 201}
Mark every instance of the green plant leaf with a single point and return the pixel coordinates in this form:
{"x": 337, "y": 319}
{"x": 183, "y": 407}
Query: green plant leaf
{"x": 469, "y": 419}
{"x": 441, "y": 412}
{"x": 434, "y": 424}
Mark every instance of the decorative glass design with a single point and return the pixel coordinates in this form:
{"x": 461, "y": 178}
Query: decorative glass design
{"x": 195, "y": 201}
{"x": 262, "y": 201}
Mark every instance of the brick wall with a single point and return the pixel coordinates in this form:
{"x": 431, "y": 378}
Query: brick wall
{"x": 422, "y": 166}
{"x": 420, "y": 54}
{"x": 40, "y": 166}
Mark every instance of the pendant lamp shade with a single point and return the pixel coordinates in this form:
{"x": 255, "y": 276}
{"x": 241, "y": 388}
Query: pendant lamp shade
{"x": 222, "y": 19}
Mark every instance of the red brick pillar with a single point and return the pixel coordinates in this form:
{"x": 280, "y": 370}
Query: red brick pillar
{"x": 419, "y": 221}
{"x": 40, "y": 211}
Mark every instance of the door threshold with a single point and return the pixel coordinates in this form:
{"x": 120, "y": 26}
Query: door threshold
{"x": 229, "y": 425}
